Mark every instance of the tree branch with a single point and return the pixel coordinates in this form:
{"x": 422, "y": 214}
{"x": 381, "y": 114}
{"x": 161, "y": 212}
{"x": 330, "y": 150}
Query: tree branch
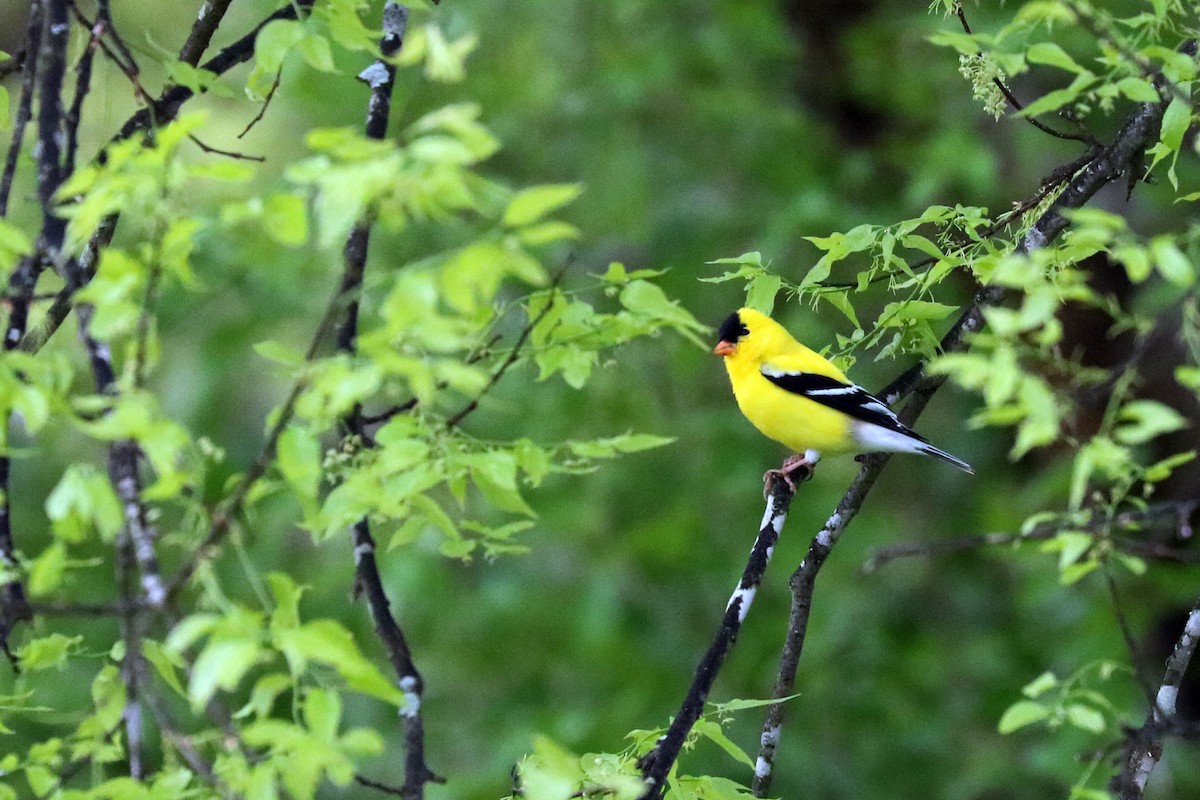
{"x": 381, "y": 77}
{"x": 33, "y": 45}
{"x": 207, "y": 22}
{"x": 1143, "y": 747}
{"x": 1174, "y": 512}
{"x": 657, "y": 763}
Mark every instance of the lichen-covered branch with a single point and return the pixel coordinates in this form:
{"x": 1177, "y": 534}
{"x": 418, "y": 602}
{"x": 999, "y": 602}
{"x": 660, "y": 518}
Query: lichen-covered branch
{"x": 1144, "y": 746}
{"x": 657, "y": 763}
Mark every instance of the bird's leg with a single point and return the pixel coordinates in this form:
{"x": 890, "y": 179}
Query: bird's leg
{"x": 805, "y": 464}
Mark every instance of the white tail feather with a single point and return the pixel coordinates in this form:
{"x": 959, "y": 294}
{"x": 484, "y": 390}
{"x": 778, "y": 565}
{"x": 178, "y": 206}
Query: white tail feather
{"x": 877, "y": 439}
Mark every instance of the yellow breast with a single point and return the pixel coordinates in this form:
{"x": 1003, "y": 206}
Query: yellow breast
{"x": 794, "y": 421}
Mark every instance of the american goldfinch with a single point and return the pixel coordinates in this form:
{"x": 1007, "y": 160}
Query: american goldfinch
{"x": 800, "y": 399}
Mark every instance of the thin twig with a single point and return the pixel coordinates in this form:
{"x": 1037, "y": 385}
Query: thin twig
{"x": 83, "y": 83}
{"x": 511, "y": 359}
{"x": 131, "y": 661}
{"x": 262, "y": 109}
{"x": 228, "y": 153}
{"x": 1086, "y": 138}
{"x": 1175, "y": 513}
{"x": 1131, "y": 647}
{"x": 223, "y": 516}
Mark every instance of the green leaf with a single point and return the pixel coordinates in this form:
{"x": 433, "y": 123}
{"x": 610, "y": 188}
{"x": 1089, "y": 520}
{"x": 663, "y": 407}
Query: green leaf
{"x": 316, "y": 51}
{"x": 286, "y": 594}
{"x": 711, "y": 730}
{"x": 648, "y": 300}
{"x": 1175, "y": 122}
{"x": 751, "y": 259}
{"x": 1052, "y": 101}
{"x": 1077, "y": 571}
{"x": 1161, "y": 470}
{"x": 84, "y": 501}
{"x": 1071, "y": 547}
{"x": 550, "y": 772}
{"x": 47, "y": 652}
{"x": 530, "y": 205}
{"x": 1138, "y": 90}
{"x": 299, "y": 459}
{"x": 165, "y": 662}
{"x": 322, "y": 714}
{"x": 762, "y": 290}
{"x": 1188, "y": 377}
{"x": 327, "y": 641}
{"x": 285, "y": 219}
{"x": 1052, "y": 55}
{"x": 279, "y": 353}
{"x": 221, "y": 665}
{"x": 1085, "y": 718}
{"x": 736, "y": 704}
{"x": 1040, "y": 685}
{"x": 263, "y": 696}
{"x": 1143, "y": 420}
{"x": 1171, "y": 263}
{"x": 1021, "y": 714}
{"x": 47, "y": 570}
{"x": 271, "y": 46}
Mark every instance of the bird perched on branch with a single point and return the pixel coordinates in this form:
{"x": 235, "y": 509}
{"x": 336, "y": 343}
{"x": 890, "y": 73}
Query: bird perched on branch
{"x": 800, "y": 399}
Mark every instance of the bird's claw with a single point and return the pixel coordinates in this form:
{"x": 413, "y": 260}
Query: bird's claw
{"x": 792, "y": 464}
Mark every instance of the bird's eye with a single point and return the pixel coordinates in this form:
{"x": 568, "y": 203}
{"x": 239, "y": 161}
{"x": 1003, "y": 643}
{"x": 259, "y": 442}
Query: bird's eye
{"x": 732, "y": 329}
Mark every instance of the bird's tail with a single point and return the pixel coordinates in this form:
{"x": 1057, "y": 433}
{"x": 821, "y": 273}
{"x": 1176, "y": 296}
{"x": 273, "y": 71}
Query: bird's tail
{"x": 930, "y": 450}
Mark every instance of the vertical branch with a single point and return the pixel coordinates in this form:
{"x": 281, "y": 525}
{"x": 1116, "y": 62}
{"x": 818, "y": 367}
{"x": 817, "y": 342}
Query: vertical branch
{"x": 1143, "y": 747}
{"x": 381, "y": 76}
{"x": 131, "y": 663}
{"x": 33, "y": 44}
{"x": 45, "y": 64}
{"x": 657, "y": 763}
{"x": 51, "y": 71}
{"x": 83, "y": 82}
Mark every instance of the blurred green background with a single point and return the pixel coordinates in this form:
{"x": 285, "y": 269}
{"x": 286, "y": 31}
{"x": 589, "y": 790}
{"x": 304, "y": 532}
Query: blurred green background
{"x": 701, "y": 130}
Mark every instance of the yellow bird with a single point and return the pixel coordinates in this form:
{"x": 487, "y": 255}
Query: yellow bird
{"x": 800, "y": 399}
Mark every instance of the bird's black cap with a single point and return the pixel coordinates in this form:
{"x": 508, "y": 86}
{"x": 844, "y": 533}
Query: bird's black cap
{"x": 732, "y": 329}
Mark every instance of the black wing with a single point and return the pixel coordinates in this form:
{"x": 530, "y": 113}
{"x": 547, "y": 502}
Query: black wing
{"x": 852, "y": 400}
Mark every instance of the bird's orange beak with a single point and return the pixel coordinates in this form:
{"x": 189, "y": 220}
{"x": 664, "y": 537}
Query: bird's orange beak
{"x": 724, "y": 349}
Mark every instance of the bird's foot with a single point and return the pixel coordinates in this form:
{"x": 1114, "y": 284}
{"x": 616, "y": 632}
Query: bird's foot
{"x": 803, "y": 466}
